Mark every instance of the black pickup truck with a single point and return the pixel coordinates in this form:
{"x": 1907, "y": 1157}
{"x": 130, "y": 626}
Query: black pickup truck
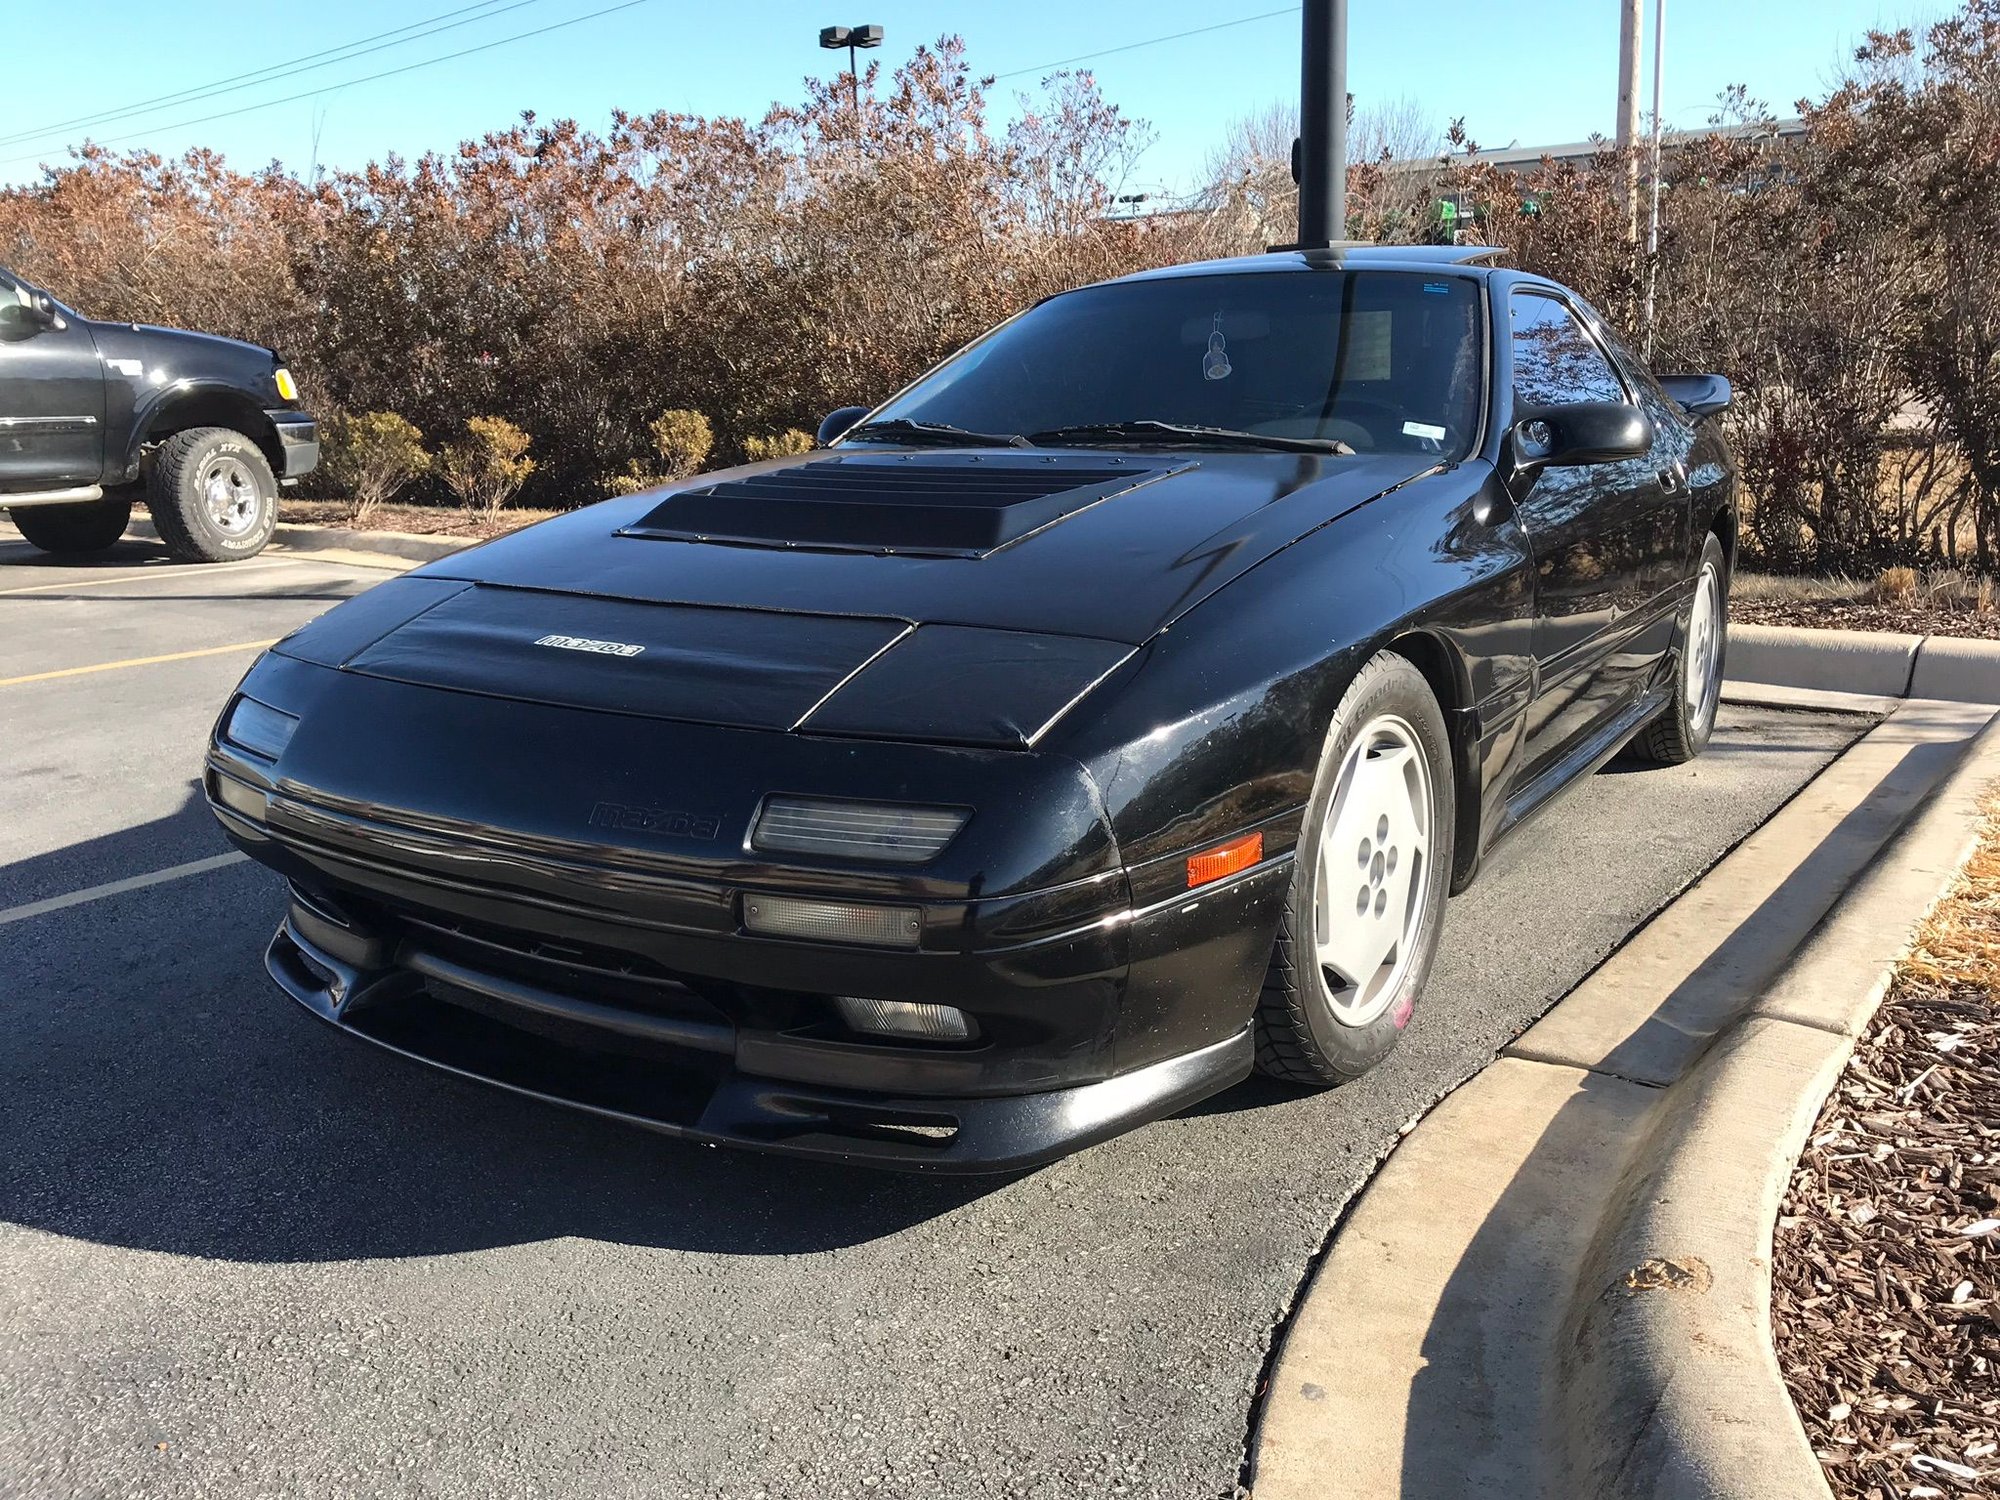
{"x": 92, "y": 414}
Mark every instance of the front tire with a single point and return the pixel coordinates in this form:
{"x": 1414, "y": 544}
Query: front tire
{"x": 212, "y": 495}
{"x": 89, "y": 527}
{"x": 1681, "y": 730}
{"x": 1361, "y": 922}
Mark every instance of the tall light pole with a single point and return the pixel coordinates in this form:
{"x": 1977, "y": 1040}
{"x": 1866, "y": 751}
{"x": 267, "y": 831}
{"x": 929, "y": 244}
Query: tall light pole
{"x": 833, "y": 38}
{"x": 1321, "y": 167}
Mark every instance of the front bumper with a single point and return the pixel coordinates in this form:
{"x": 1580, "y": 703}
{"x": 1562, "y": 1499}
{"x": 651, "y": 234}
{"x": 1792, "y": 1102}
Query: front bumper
{"x": 298, "y": 443}
{"x": 552, "y": 1048}
{"x": 494, "y": 934}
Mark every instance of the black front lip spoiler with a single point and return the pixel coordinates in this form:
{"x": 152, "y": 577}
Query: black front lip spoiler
{"x": 702, "y": 1098}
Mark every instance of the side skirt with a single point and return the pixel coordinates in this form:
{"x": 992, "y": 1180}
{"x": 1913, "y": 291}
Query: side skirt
{"x": 1585, "y": 758}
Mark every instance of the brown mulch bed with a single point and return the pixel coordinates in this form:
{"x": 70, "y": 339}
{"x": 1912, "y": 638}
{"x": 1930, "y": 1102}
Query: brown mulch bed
{"x": 1887, "y": 1255}
{"x": 422, "y": 520}
{"x": 1913, "y": 618}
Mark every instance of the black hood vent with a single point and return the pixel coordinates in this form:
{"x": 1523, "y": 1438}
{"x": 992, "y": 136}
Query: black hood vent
{"x": 956, "y": 505}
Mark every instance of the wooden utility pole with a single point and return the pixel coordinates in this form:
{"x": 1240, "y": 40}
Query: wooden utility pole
{"x": 1628, "y": 111}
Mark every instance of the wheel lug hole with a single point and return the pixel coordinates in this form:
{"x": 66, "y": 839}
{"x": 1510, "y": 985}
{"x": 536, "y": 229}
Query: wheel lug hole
{"x": 1361, "y": 903}
{"x": 1392, "y": 859}
{"x": 1367, "y": 852}
{"x": 1382, "y": 829}
{"x": 1381, "y": 902}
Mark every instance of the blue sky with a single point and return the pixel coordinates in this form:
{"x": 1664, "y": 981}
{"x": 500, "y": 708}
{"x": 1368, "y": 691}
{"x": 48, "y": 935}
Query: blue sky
{"x": 1527, "y": 74}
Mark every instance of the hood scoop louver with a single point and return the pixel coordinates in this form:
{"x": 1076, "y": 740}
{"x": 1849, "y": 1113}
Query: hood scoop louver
{"x": 959, "y": 505}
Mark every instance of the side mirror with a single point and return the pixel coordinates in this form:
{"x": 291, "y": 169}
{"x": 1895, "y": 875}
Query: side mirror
{"x": 20, "y": 321}
{"x": 1700, "y": 396}
{"x": 837, "y": 422}
{"x": 1583, "y": 432}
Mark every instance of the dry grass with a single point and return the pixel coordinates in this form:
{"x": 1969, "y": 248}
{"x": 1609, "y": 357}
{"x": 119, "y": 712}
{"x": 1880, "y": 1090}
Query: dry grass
{"x": 1886, "y": 1259}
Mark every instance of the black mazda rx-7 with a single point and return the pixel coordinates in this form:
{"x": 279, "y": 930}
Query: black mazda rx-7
{"x": 1107, "y": 714}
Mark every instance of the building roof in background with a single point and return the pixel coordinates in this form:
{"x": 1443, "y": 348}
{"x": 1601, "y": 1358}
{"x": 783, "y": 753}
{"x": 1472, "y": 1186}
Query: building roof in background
{"x": 1522, "y": 158}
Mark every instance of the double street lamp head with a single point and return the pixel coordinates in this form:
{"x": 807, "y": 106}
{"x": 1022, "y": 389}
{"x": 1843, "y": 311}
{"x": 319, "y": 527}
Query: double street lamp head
{"x": 833, "y": 37}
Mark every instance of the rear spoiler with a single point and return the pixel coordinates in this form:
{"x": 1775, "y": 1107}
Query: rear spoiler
{"x": 1700, "y": 396}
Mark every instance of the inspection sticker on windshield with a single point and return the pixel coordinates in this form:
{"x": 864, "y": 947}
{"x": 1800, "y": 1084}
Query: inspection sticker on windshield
{"x": 1423, "y": 430}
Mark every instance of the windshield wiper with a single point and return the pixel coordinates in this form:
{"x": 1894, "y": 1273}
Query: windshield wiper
{"x": 1140, "y": 429}
{"x": 904, "y": 430}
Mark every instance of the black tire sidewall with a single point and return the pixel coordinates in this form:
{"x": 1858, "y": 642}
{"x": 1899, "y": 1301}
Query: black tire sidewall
{"x": 1388, "y": 685}
{"x": 1674, "y": 738}
{"x": 175, "y": 488}
{"x": 88, "y": 527}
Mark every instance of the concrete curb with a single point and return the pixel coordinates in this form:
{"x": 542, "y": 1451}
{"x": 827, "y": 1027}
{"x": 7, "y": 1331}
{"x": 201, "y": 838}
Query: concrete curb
{"x": 1946, "y": 668}
{"x": 1558, "y": 1284}
{"x": 369, "y": 548}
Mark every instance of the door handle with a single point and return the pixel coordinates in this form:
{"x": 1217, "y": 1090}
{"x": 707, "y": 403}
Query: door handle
{"x": 1672, "y": 478}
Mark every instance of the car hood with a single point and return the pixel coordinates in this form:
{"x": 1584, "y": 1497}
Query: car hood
{"x": 967, "y": 599}
{"x": 1021, "y": 540}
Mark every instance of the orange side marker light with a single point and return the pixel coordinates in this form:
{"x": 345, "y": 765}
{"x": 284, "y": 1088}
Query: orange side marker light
{"x": 1225, "y": 859}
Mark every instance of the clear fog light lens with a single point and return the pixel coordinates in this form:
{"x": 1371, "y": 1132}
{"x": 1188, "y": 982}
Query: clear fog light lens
{"x": 856, "y": 830}
{"x": 246, "y": 801}
{"x": 926, "y": 1023}
{"x": 259, "y": 728}
{"x": 833, "y": 921}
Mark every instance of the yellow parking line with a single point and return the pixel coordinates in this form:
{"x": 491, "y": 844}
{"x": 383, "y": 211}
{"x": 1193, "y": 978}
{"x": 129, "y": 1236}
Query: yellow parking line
{"x": 134, "y": 661}
{"x": 147, "y": 576}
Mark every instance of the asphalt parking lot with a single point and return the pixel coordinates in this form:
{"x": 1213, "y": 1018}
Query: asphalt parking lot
{"x": 241, "y": 1255}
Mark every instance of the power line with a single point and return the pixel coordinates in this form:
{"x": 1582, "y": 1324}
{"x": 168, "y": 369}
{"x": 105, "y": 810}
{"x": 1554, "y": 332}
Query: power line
{"x": 269, "y": 74}
{"x": 1151, "y": 41}
{"x": 518, "y": 36}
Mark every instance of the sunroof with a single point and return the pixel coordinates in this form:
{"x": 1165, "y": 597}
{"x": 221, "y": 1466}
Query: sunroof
{"x": 958, "y": 505}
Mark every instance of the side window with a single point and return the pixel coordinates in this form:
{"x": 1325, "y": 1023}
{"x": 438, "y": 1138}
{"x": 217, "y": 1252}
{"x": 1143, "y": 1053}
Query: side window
{"x": 1555, "y": 360}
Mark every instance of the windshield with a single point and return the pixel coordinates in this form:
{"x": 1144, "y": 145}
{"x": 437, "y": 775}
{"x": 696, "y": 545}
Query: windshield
{"x": 1383, "y": 361}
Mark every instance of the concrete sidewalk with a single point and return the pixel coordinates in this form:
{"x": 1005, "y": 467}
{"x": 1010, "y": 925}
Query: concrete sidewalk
{"x": 1558, "y": 1284}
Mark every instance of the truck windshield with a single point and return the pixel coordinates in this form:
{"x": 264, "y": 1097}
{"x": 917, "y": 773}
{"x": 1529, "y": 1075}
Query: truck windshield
{"x": 1383, "y": 361}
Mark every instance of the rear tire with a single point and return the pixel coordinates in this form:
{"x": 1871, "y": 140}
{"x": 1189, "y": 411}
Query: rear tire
{"x": 89, "y": 527}
{"x": 212, "y": 495}
{"x": 1681, "y": 730}
{"x": 1361, "y": 922}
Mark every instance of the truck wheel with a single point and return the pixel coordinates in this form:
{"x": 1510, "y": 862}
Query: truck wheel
{"x": 212, "y": 495}
{"x": 1360, "y": 926}
{"x": 90, "y": 527}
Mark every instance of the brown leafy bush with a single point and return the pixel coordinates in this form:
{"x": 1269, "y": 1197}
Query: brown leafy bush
{"x": 762, "y": 272}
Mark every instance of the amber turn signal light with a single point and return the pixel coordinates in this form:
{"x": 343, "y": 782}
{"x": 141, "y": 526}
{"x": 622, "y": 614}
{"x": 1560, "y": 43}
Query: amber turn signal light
{"x": 1225, "y": 859}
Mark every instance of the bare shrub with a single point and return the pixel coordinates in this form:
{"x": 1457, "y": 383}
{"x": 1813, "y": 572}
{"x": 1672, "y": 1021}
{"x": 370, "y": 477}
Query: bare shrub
{"x": 487, "y": 468}
{"x": 777, "y": 445}
{"x": 372, "y": 457}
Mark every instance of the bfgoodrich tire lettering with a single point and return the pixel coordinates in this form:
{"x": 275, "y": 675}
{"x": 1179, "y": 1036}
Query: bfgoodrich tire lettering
{"x": 212, "y": 495}
{"x": 1360, "y": 924}
{"x": 90, "y": 527}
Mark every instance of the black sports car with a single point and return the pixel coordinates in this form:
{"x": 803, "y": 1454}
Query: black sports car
{"x": 1105, "y": 715}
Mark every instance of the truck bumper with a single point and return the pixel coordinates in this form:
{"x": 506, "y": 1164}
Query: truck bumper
{"x": 298, "y": 443}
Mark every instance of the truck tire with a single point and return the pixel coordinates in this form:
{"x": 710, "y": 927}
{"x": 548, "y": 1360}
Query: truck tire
{"x": 212, "y": 495}
{"x": 89, "y": 527}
